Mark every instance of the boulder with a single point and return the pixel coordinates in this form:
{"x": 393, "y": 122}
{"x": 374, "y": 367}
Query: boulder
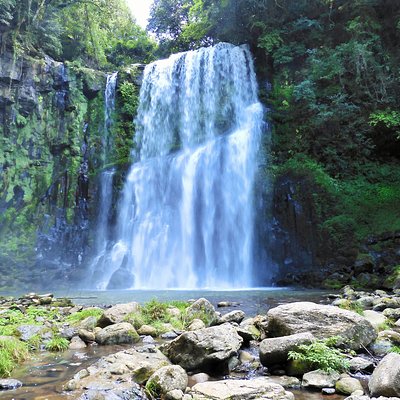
{"x": 206, "y": 349}
{"x": 381, "y": 347}
{"x": 392, "y": 313}
{"x": 27, "y": 332}
{"x": 202, "y": 309}
{"x": 348, "y": 385}
{"x": 122, "y": 333}
{"x": 358, "y": 364}
{"x": 167, "y": 379}
{"x": 392, "y": 336}
{"x": 88, "y": 324}
{"x": 196, "y": 324}
{"x": 275, "y": 350}
{"x": 248, "y": 330}
{"x": 376, "y": 319}
{"x": 175, "y": 394}
{"x": 385, "y": 380}
{"x": 117, "y": 314}
{"x": 86, "y": 336}
{"x": 68, "y": 332}
{"x": 366, "y": 302}
{"x": 259, "y": 388}
{"x": 147, "y": 330}
{"x": 322, "y": 321}
{"x": 320, "y": 379}
{"x": 233, "y": 316}
{"x": 77, "y": 343}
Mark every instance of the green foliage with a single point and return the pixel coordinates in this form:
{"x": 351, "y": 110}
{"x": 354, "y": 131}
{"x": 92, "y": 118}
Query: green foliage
{"x": 81, "y": 315}
{"x": 12, "y": 352}
{"x": 153, "y": 389}
{"x": 395, "y": 349}
{"x": 130, "y": 97}
{"x": 321, "y": 355}
{"x": 57, "y": 344}
{"x": 388, "y": 118}
{"x": 98, "y": 33}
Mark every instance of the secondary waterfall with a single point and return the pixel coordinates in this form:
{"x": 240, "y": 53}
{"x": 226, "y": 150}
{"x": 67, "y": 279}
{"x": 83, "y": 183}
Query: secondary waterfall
{"x": 186, "y": 214}
{"x": 99, "y": 263}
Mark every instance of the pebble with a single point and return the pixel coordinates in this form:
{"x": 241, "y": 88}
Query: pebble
{"x": 328, "y": 391}
{"x": 9, "y": 384}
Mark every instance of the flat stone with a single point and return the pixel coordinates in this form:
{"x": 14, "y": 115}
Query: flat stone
{"x": 259, "y": 388}
{"x": 320, "y": 379}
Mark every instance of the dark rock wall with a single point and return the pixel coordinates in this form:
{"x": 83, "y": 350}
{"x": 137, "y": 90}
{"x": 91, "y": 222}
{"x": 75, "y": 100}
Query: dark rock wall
{"x": 50, "y": 128}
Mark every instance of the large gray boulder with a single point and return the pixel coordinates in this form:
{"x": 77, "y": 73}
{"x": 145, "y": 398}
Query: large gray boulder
{"x": 259, "y": 388}
{"x": 322, "y": 321}
{"x": 275, "y": 350}
{"x": 123, "y": 333}
{"x": 385, "y": 380}
{"x": 167, "y": 379}
{"x": 117, "y": 314}
{"x": 206, "y": 349}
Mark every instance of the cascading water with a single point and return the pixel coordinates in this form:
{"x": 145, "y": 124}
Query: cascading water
{"x": 186, "y": 215}
{"x": 100, "y": 262}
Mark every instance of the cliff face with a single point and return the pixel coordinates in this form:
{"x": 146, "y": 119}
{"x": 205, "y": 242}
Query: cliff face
{"x": 50, "y": 130}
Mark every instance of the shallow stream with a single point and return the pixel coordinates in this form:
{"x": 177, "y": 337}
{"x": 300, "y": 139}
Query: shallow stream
{"x": 43, "y": 375}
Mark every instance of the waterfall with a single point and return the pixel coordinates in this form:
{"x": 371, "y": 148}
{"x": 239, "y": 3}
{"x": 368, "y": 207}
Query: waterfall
{"x": 186, "y": 215}
{"x": 100, "y": 262}
{"x": 109, "y": 107}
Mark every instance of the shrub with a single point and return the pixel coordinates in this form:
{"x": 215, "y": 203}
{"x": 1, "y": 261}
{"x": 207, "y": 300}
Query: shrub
{"x": 321, "y": 355}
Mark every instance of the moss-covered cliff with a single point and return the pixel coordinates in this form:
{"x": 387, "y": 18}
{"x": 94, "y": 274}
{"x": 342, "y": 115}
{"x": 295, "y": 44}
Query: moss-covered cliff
{"x": 52, "y": 122}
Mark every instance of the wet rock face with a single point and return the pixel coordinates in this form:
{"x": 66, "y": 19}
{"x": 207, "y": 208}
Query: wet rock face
{"x": 296, "y": 241}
